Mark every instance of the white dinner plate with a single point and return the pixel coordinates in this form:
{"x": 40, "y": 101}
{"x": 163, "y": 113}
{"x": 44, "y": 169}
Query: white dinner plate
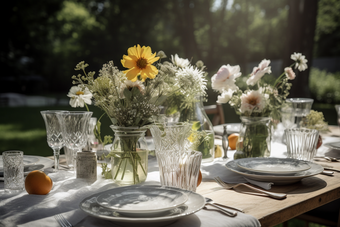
{"x": 231, "y": 128}
{"x": 141, "y": 201}
{"x": 194, "y": 203}
{"x": 277, "y": 166}
{"x": 334, "y": 145}
{"x": 31, "y": 162}
{"x": 276, "y": 179}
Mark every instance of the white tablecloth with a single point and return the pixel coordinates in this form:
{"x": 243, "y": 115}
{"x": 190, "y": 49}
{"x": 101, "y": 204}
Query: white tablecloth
{"x": 38, "y": 210}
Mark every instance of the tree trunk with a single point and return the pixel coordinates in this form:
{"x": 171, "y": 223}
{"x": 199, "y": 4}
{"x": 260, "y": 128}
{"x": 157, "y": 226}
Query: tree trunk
{"x": 301, "y": 30}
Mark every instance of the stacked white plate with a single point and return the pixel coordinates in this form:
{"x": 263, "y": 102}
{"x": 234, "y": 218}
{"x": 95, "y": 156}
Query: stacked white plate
{"x": 279, "y": 171}
{"x": 143, "y": 204}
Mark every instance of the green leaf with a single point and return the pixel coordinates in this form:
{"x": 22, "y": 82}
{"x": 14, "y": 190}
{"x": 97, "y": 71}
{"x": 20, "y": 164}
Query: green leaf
{"x": 107, "y": 140}
{"x": 113, "y": 120}
{"x": 160, "y": 100}
{"x": 135, "y": 92}
{"x": 196, "y": 125}
{"x": 127, "y": 94}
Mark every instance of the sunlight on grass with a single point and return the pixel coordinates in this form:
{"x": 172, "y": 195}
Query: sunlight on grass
{"x": 13, "y": 131}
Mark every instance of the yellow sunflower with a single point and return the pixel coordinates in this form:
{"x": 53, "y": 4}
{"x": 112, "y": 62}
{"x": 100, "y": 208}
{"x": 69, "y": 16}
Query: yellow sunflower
{"x": 139, "y": 62}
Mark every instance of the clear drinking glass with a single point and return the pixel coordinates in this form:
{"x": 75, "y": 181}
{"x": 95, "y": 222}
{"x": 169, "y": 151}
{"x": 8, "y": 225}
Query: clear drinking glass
{"x": 54, "y": 133}
{"x": 178, "y": 166}
{"x": 337, "y": 108}
{"x": 92, "y": 141}
{"x": 13, "y": 170}
{"x": 301, "y": 143}
{"x": 301, "y": 107}
{"x": 74, "y": 130}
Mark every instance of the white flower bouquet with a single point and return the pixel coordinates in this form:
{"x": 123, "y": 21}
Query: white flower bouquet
{"x": 259, "y": 105}
{"x": 259, "y": 99}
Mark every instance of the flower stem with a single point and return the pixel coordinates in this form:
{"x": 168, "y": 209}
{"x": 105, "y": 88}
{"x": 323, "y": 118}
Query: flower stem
{"x": 280, "y": 77}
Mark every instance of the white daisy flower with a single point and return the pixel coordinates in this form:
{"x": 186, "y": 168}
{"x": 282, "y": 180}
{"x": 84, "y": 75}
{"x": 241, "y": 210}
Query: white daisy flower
{"x": 301, "y": 61}
{"x": 79, "y": 96}
{"x": 259, "y": 71}
{"x": 179, "y": 62}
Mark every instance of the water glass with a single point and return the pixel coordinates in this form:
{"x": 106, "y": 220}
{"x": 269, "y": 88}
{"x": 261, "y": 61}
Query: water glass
{"x": 54, "y": 133}
{"x": 178, "y": 167}
{"x": 74, "y": 130}
{"x": 300, "y": 107}
{"x": 92, "y": 141}
{"x": 13, "y": 162}
{"x": 337, "y": 108}
{"x": 301, "y": 143}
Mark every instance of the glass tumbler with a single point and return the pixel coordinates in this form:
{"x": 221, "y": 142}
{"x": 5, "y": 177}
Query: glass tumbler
{"x": 337, "y": 108}
{"x": 301, "y": 143}
{"x": 13, "y": 162}
{"x": 178, "y": 166}
{"x": 301, "y": 108}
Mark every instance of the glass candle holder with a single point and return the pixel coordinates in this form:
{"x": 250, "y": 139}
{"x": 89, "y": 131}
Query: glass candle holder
{"x": 13, "y": 171}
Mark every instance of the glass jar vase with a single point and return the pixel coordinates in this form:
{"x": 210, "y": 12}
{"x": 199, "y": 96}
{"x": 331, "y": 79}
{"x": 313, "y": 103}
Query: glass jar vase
{"x": 202, "y": 132}
{"x": 129, "y": 155}
{"x": 254, "y": 138}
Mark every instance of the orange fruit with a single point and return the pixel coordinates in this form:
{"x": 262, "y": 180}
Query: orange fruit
{"x": 233, "y": 140}
{"x": 37, "y": 182}
{"x": 199, "y": 180}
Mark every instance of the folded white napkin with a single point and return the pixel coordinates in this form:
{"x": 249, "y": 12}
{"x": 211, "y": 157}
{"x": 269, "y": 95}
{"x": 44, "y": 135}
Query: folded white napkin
{"x": 73, "y": 216}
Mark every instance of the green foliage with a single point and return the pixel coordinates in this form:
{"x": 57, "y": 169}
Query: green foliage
{"x": 325, "y": 86}
{"x": 327, "y": 32}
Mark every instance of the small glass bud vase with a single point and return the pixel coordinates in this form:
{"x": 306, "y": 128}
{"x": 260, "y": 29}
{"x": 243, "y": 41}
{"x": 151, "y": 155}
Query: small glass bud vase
{"x": 255, "y": 138}
{"x": 202, "y": 133}
{"x": 129, "y": 155}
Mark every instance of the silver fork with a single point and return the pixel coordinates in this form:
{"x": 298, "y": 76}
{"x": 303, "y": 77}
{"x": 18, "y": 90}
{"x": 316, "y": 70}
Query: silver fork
{"x": 62, "y": 221}
{"x": 262, "y": 192}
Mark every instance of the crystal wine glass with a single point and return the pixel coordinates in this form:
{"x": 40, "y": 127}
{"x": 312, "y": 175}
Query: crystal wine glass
{"x": 54, "y": 133}
{"x": 75, "y": 130}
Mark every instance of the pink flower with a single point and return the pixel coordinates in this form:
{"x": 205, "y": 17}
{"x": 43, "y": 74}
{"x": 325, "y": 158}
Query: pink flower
{"x": 225, "y": 78}
{"x": 290, "y": 73}
{"x": 259, "y": 71}
{"x": 252, "y": 101}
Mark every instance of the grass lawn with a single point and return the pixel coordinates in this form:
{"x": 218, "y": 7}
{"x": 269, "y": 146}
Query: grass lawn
{"x": 23, "y": 128}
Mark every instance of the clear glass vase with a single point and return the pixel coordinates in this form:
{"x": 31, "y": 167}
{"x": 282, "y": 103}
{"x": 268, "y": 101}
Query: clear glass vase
{"x": 178, "y": 166}
{"x": 202, "y": 133}
{"x": 129, "y": 155}
{"x": 254, "y": 138}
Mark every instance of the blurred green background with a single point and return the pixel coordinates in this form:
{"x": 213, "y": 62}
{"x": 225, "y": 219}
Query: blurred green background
{"x": 46, "y": 39}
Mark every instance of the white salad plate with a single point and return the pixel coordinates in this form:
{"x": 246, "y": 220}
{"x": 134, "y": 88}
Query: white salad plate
{"x": 31, "y": 162}
{"x": 194, "y": 203}
{"x": 334, "y": 145}
{"x": 141, "y": 200}
{"x": 277, "y": 166}
{"x": 273, "y": 178}
{"x": 231, "y": 128}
